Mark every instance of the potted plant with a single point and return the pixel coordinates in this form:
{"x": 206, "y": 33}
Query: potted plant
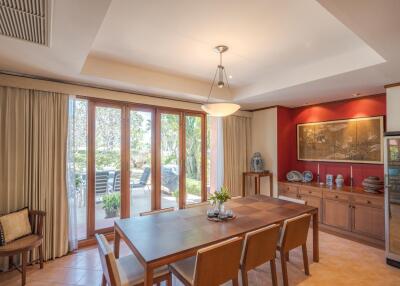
{"x": 111, "y": 204}
{"x": 219, "y": 198}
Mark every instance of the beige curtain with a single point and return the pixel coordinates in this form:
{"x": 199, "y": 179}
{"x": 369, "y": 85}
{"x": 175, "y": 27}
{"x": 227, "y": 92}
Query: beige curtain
{"x": 33, "y": 142}
{"x": 237, "y": 151}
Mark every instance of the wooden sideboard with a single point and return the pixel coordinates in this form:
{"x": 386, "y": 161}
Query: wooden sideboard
{"x": 346, "y": 211}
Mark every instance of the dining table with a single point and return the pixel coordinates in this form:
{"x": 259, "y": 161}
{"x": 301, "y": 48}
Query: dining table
{"x": 167, "y": 237}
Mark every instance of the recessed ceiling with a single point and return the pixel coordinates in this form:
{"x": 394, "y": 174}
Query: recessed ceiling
{"x": 281, "y": 51}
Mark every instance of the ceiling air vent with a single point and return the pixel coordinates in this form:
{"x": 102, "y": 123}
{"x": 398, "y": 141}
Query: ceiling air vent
{"x": 27, "y": 20}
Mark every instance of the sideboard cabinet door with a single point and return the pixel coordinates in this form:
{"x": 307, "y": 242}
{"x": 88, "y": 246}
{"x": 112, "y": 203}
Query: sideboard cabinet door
{"x": 369, "y": 221}
{"x": 337, "y": 213}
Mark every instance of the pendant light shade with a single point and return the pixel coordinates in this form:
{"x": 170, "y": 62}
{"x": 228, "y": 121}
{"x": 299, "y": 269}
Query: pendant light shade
{"x": 220, "y": 109}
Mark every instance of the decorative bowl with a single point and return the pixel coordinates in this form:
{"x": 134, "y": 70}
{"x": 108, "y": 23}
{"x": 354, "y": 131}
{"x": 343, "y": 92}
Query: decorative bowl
{"x": 372, "y": 184}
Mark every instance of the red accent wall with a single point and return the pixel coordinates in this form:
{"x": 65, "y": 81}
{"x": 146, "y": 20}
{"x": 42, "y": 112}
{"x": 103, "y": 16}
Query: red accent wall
{"x": 287, "y": 138}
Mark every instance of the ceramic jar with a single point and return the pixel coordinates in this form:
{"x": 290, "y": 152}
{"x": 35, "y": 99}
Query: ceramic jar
{"x": 339, "y": 181}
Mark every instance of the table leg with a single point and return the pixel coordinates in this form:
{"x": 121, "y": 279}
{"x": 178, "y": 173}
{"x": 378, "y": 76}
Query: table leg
{"x": 255, "y": 185}
{"x": 271, "y": 185}
{"x": 148, "y": 277}
{"x": 117, "y": 239}
{"x": 315, "y": 237}
{"x": 243, "y": 185}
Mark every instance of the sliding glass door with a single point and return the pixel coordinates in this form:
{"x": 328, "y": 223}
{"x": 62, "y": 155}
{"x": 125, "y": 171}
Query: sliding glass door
{"x": 193, "y": 158}
{"x": 132, "y": 159}
{"x": 141, "y": 161}
{"x": 170, "y": 154}
{"x": 107, "y": 165}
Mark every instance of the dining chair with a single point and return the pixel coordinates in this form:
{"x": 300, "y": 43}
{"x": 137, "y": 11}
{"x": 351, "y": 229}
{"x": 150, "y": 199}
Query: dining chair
{"x": 294, "y": 234}
{"x": 212, "y": 266}
{"x": 25, "y": 244}
{"x": 293, "y": 200}
{"x": 156, "y": 212}
{"x": 127, "y": 270}
{"x": 260, "y": 247}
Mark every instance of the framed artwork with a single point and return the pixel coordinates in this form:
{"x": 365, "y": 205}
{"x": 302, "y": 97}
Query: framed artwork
{"x": 358, "y": 140}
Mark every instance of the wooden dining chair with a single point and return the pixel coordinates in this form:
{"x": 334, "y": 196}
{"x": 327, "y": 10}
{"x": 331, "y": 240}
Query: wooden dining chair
{"x": 127, "y": 270}
{"x": 24, "y": 245}
{"x": 212, "y": 266}
{"x": 293, "y": 200}
{"x": 294, "y": 234}
{"x": 156, "y": 212}
{"x": 260, "y": 247}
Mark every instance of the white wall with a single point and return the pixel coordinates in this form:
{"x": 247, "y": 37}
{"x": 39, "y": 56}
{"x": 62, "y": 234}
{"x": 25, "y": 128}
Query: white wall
{"x": 264, "y": 133}
{"x": 392, "y": 109}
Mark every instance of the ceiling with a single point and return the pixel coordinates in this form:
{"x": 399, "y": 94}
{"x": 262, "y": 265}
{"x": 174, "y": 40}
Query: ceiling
{"x": 282, "y": 52}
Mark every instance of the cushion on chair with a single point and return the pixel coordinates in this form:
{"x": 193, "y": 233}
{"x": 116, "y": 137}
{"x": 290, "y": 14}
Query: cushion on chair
{"x": 185, "y": 268}
{"x": 24, "y": 243}
{"x": 15, "y": 225}
{"x": 132, "y": 272}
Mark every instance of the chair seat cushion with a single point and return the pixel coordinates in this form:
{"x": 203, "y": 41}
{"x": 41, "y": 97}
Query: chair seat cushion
{"x": 185, "y": 268}
{"x": 22, "y": 244}
{"x": 132, "y": 272}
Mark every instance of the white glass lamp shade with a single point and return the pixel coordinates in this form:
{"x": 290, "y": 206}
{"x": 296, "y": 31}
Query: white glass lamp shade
{"x": 220, "y": 109}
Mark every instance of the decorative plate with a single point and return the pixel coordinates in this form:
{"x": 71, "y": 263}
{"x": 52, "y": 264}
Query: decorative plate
{"x": 307, "y": 176}
{"x": 294, "y": 176}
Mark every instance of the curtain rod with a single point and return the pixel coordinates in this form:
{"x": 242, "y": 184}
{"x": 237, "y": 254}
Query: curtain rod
{"x": 5, "y": 72}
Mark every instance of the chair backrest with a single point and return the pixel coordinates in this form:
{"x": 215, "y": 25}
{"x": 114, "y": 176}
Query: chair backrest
{"x": 36, "y": 219}
{"x": 260, "y": 246}
{"x": 293, "y": 200}
{"x": 117, "y": 181}
{"x": 156, "y": 212}
{"x": 295, "y": 231}
{"x": 218, "y": 263}
{"x": 101, "y": 182}
{"x": 108, "y": 261}
{"x": 145, "y": 176}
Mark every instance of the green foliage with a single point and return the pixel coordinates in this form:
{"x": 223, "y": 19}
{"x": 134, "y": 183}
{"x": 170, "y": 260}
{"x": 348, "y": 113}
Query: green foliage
{"x": 220, "y": 196}
{"x": 112, "y": 203}
{"x": 193, "y": 187}
{"x": 108, "y": 159}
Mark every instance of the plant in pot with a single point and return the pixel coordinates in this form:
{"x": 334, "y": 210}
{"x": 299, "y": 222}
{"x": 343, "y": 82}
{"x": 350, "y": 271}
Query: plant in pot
{"x": 219, "y": 198}
{"x": 111, "y": 204}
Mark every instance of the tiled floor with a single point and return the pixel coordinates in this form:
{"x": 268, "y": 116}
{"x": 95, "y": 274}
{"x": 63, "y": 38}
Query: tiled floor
{"x": 342, "y": 262}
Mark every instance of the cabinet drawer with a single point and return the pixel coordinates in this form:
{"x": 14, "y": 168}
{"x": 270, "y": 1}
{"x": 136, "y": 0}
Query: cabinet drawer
{"x": 288, "y": 189}
{"x": 374, "y": 202}
{"x": 335, "y": 196}
{"x": 310, "y": 192}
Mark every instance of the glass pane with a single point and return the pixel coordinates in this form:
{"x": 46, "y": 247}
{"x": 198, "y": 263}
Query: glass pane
{"x": 140, "y": 161}
{"x": 394, "y": 194}
{"x": 108, "y": 166}
{"x": 193, "y": 159}
{"x": 80, "y": 160}
{"x": 169, "y": 160}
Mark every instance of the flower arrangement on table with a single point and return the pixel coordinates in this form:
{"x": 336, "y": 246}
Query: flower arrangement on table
{"x": 218, "y": 199}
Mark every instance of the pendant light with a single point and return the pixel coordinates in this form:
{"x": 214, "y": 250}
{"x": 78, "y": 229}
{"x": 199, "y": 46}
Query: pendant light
{"x": 220, "y": 109}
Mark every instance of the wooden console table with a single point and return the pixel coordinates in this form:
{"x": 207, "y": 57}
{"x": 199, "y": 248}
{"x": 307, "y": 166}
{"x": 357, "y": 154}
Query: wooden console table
{"x": 257, "y": 176}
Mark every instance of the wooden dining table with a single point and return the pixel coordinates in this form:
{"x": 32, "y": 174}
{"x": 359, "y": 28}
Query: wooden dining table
{"x": 164, "y": 238}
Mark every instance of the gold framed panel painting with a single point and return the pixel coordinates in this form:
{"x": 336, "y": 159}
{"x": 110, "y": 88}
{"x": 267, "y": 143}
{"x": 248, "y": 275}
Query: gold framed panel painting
{"x": 358, "y": 140}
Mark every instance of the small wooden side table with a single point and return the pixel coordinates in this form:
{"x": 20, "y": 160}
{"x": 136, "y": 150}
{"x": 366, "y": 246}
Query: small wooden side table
{"x": 257, "y": 176}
